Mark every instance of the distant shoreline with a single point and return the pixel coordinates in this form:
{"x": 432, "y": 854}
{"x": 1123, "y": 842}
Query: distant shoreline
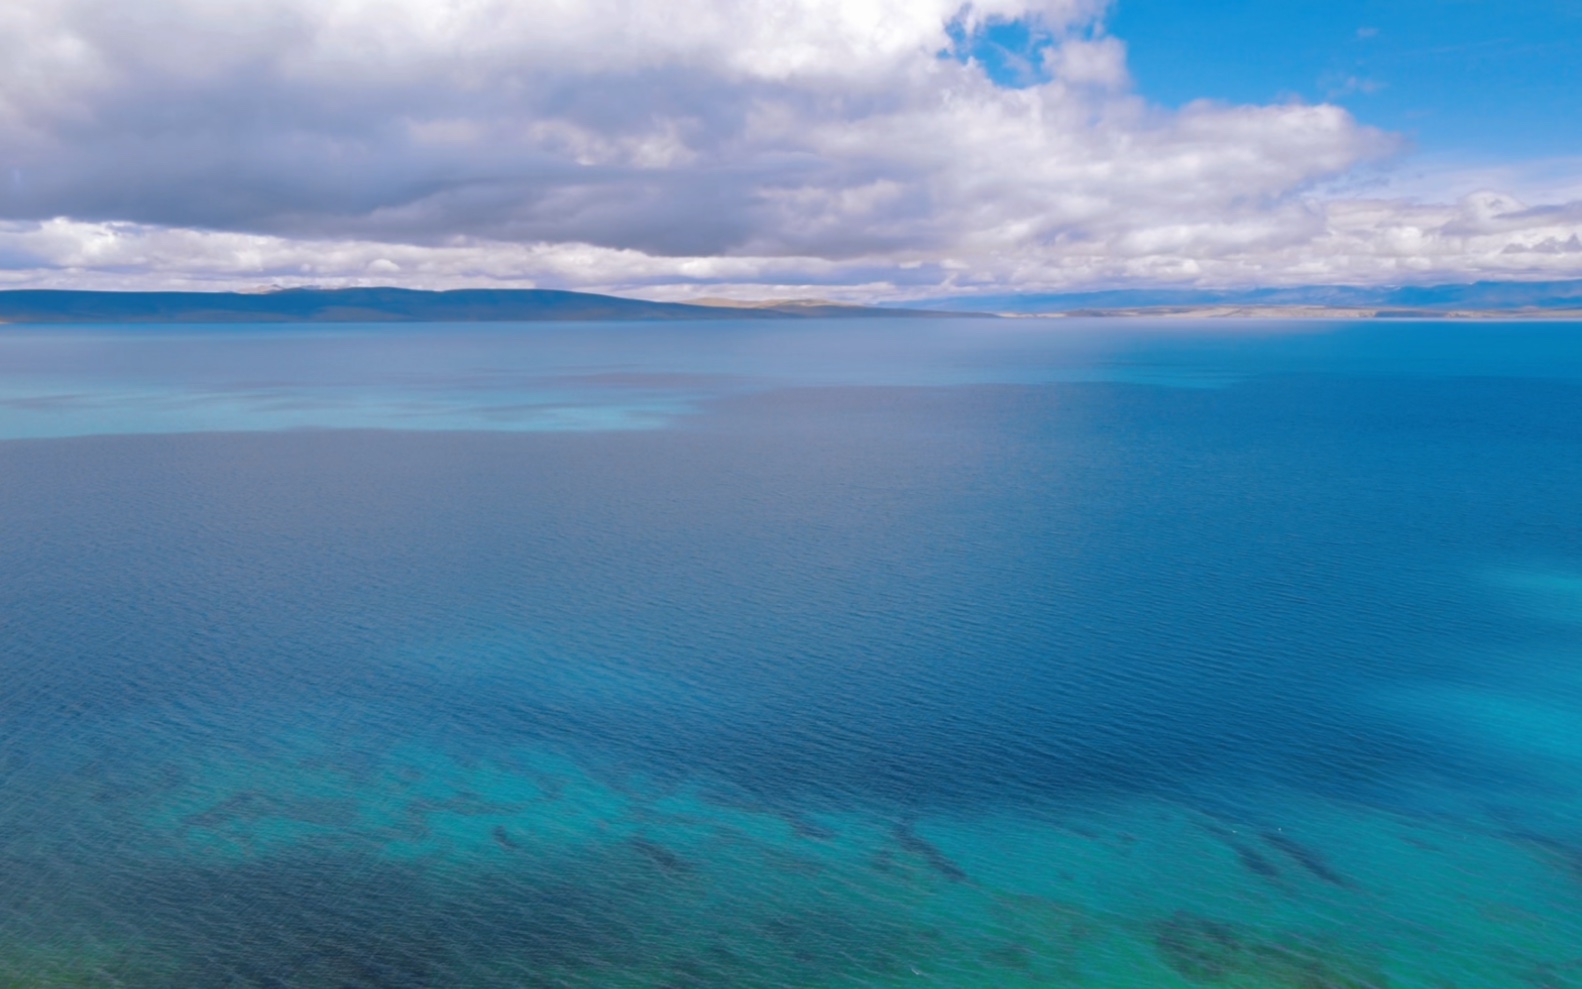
{"x": 716, "y": 313}
{"x": 1303, "y": 312}
{"x": 1558, "y": 300}
{"x": 396, "y": 305}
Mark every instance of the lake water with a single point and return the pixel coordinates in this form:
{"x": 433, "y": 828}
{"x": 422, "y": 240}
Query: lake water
{"x": 797, "y": 654}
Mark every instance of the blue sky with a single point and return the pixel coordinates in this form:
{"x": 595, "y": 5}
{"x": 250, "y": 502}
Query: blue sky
{"x": 855, "y": 149}
{"x": 1478, "y": 79}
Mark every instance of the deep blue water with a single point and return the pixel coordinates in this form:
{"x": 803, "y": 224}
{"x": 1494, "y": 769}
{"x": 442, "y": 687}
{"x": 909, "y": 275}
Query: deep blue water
{"x": 1019, "y": 653}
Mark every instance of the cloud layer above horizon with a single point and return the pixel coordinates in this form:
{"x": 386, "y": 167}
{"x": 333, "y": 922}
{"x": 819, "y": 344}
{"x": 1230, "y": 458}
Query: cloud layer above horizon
{"x": 858, "y": 148}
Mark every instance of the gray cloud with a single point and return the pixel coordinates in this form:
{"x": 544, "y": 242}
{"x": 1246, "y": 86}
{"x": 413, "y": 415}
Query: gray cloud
{"x": 1550, "y": 245}
{"x": 627, "y": 144}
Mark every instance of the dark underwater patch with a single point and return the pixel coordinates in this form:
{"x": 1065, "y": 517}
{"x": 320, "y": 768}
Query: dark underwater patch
{"x": 805, "y": 827}
{"x": 1254, "y": 862}
{"x": 1306, "y": 857}
{"x": 1200, "y": 949}
{"x": 1250, "y": 858}
{"x": 929, "y": 852}
{"x": 1566, "y": 856}
{"x": 667, "y": 860}
{"x": 503, "y": 838}
{"x": 1213, "y": 952}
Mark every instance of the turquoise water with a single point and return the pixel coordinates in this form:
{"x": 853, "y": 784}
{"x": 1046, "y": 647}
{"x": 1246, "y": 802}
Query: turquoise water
{"x": 952, "y": 653}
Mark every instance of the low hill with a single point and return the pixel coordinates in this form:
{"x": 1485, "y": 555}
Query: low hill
{"x": 388, "y": 305}
{"x": 1477, "y": 296}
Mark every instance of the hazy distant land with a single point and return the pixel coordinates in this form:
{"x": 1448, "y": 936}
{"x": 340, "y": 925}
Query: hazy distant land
{"x": 1481, "y": 300}
{"x": 1302, "y": 312}
{"x": 396, "y": 305}
{"x": 1477, "y": 300}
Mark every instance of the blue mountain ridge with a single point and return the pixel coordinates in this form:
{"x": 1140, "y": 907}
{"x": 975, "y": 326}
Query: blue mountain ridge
{"x": 389, "y": 304}
{"x": 384, "y": 305}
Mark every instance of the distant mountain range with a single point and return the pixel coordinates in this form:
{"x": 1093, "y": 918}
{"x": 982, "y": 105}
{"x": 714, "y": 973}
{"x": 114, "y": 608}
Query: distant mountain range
{"x": 394, "y": 305}
{"x": 1493, "y": 296}
{"x": 397, "y": 305}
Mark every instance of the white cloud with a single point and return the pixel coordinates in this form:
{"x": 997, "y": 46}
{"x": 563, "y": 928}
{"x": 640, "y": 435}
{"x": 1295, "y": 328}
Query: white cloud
{"x": 638, "y": 146}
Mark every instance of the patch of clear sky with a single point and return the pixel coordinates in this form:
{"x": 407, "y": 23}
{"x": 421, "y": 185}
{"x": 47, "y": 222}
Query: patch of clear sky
{"x": 1478, "y": 80}
{"x": 1483, "y": 79}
